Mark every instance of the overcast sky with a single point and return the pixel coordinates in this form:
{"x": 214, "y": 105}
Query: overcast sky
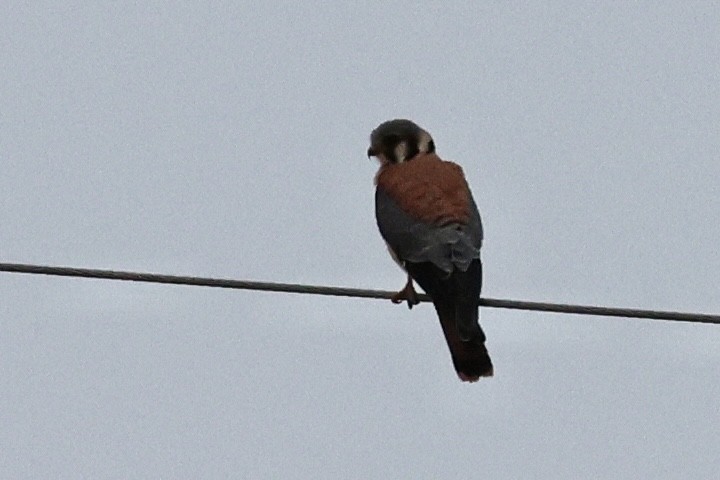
{"x": 228, "y": 139}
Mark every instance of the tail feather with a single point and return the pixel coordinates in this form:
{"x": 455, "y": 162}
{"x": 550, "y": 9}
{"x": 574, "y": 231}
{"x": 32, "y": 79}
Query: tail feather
{"x": 456, "y": 301}
{"x": 470, "y": 358}
{"x": 464, "y": 287}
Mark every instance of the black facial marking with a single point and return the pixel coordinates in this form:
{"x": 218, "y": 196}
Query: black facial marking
{"x": 388, "y": 144}
{"x": 412, "y": 149}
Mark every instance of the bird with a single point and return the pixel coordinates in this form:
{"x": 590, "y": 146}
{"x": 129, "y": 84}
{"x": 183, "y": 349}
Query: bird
{"x": 430, "y": 223}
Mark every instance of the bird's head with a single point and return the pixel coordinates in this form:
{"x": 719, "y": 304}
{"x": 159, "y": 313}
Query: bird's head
{"x": 397, "y": 141}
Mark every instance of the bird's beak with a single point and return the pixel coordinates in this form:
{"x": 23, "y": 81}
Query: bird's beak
{"x": 371, "y": 152}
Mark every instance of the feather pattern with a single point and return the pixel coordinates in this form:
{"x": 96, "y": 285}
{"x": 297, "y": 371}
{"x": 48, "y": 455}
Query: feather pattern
{"x": 427, "y": 216}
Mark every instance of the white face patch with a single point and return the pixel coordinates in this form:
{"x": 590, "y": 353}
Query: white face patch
{"x": 400, "y": 151}
{"x": 424, "y": 142}
{"x": 382, "y": 159}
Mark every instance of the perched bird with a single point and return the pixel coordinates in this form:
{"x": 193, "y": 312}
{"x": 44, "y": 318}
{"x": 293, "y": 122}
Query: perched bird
{"x": 429, "y": 220}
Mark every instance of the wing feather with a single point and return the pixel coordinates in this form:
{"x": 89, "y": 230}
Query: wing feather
{"x": 418, "y": 225}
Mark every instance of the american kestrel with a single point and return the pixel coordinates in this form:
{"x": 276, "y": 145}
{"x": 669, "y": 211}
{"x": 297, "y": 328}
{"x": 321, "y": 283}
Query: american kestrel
{"x": 429, "y": 220}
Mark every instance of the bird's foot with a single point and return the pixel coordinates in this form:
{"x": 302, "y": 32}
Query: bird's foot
{"x": 407, "y": 294}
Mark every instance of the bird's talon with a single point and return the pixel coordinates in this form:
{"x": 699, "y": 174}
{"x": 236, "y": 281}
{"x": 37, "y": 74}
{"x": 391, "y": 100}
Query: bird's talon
{"x": 407, "y": 294}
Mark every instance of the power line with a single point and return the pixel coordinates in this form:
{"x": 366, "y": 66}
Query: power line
{"x": 347, "y": 292}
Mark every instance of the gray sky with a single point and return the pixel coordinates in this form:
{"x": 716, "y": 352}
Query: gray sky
{"x": 228, "y": 139}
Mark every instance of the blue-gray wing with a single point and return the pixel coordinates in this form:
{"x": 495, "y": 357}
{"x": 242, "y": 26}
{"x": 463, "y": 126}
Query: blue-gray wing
{"x": 450, "y": 246}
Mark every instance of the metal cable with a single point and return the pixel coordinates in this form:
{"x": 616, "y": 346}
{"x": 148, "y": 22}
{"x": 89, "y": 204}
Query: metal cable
{"x": 347, "y": 292}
